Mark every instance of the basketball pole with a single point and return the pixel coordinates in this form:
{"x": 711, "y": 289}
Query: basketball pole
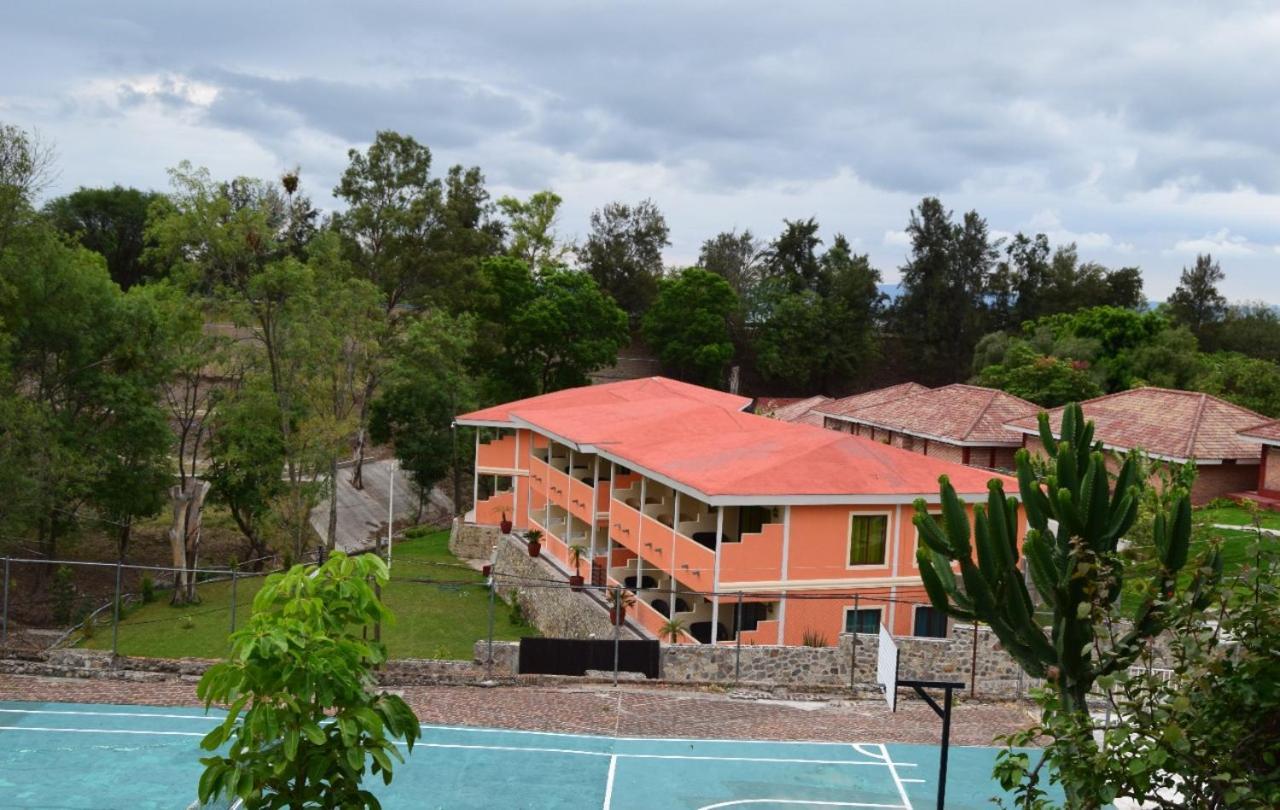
{"x": 943, "y": 711}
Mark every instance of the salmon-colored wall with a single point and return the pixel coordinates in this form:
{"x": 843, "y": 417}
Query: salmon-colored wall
{"x": 499, "y": 454}
{"x": 819, "y": 542}
{"x": 756, "y": 557}
{"x": 490, "y": 510}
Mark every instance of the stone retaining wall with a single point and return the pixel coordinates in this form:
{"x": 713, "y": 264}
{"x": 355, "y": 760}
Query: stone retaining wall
{"x": 468, "y": 541}
{"x": 946, "y": 659}
{"x": 549, "y": 605}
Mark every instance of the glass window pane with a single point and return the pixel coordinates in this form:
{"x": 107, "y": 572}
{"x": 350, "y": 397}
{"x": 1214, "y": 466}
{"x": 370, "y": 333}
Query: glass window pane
{"x": 868, "y": 535}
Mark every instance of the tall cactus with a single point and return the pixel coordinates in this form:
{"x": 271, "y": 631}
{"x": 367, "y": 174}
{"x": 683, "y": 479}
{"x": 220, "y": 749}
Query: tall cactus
{"x": 1076, "y": 515}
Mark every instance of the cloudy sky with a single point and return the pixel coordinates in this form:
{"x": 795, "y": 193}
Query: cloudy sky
{"x": 1143, "y": 132}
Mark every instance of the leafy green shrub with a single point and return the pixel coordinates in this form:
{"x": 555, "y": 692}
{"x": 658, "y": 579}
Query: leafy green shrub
{"x": 305, "y": 716}
{"x": 148, "y": 590}
{"x": 64, "y": 595}
{"x": 813, "y": 638}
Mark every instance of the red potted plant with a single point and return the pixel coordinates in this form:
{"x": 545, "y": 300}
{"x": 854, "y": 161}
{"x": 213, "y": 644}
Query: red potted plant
{"x": 504, "y": 525}
{"x": 576, "y": 553}
{"x": 533, "y": 541}
{"x": 619, "y": 601}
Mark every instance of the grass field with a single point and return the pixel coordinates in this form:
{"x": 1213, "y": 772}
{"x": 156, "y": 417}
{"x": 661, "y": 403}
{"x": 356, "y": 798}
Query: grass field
{"x": 440, "y": 619}
{"x": 1236, "y": 516}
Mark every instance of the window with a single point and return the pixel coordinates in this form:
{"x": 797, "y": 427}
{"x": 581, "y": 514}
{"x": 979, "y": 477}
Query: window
{"x": 864, "y": 620}
{"x": 930, "y": 623}
{"x": 867, "y": 536}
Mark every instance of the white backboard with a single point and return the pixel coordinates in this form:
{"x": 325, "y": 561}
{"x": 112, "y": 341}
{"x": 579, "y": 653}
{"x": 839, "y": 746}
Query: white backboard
{"x": 887, "y": 668}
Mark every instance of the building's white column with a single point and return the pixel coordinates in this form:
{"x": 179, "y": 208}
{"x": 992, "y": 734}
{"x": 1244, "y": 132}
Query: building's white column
{"x": 475, "y": 479}
{"x": 715, "y": 577}
{"x": 671, "y": 586}
{"x": 595, "y": 495}
{"x": 546, "y": 520}
{"x": 515, "y": 480}
{"x": 893, "y": 590}
{"x": 786, "y": 555}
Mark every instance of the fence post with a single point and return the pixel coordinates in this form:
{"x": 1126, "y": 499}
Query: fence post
{"x": 493, "y": 588}
{"x": 853, "y": 647}
{"x": 617, "y": 630}
{"x": 4, "y": 614}
{"x": 233, "y": 598}
{"x": 973, "y": 662}
{"x": 115, "y": 615}
{"x": 737, "y": 632}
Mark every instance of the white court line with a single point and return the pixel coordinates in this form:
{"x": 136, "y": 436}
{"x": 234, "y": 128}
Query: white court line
{"x": 483, "y": 730}
{"x": 116, "y": 714}
{"x": 808, "y": 802}
{"x": 104, "y": 731}
{"x": 897, "y": 780}
{"x": 916, "y": 781}
{"x": 608, "y": 785}
{"x": 514, "y": 748}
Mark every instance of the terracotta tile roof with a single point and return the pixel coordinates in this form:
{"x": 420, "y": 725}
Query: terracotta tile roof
{"x": 703, "y": 440}
{"x": 847, "y": 405}
{"x": 1267, "y": 432}
{"x": 1165, "y": 422}
{"x": 959, "y": 414}
{"x": 804, "y": 411}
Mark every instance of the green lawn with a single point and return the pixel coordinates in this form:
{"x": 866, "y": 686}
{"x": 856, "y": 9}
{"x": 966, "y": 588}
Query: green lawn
{"x": 1236, "y": 516}
{"x": 441, "y": 619}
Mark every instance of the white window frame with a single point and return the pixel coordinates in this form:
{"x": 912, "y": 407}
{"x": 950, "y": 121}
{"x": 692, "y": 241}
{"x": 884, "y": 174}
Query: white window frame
{"x": 844, "y": 625}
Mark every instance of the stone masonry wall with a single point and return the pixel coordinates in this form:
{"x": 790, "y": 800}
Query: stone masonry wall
{"x": 542, "y": 591}
{"x": 468, "y": 541}
{"x": 919, "y": 658}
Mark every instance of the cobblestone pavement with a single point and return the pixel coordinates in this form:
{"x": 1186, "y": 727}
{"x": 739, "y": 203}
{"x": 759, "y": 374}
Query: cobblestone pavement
{"x": 599, "y": 709}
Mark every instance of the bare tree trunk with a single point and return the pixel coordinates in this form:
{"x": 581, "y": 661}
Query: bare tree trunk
{"x": 357, "y": 474}
{"x": 331, "y": 537}
{"x": 195, "y": 527}
{"x": 184, "y": 536}
{"x": 179, "y": 498}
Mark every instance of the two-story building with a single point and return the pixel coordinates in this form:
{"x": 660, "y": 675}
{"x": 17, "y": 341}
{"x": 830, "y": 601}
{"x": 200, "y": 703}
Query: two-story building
{"x": 677, "y": 493}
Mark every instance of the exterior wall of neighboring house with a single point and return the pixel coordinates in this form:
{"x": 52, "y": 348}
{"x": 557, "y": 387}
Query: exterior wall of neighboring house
{"x": 1212, "y": 480}
{"x": 1217, "y": 480}
{"x": 1269, "y": 472}
{"x": 994, "y": 457}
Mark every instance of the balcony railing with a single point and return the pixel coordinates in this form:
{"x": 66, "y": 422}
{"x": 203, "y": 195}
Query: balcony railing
{"x": 499, "y": 454}
{"x": 756, "y": 557}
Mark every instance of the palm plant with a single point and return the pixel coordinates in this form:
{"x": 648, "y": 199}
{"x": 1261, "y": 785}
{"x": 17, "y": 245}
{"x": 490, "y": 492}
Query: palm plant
{"x": 576, "y": 553}
{"x": 671, "y": 630}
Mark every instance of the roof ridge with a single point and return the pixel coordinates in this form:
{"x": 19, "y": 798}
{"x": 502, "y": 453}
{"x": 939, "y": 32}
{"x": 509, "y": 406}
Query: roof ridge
{"x": 981, "y": 413}
{"x": 1195, "y": 425}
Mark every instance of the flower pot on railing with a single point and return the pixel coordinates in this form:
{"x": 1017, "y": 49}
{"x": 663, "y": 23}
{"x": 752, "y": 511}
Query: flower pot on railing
{"x": 504, "y": 525}
{"x": 618, "y": 615}
{"x": 535, "y": 548}
{"x": 575, "y": 582}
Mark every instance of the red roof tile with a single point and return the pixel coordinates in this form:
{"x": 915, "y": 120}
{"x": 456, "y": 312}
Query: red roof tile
{"x": 804, "y": 411}
{"x": 847, "y": 405}
{"x": 959, "y": 414}
{"x": 1267, "y": 432}
{"x": 1166, "y": 423}
{"x": 702, "y": 439}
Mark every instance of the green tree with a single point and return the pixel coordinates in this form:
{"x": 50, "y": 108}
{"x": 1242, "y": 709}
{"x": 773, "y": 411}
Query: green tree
{"x": 1246, "y": 381}
{"x": 623, "y": 253}
{"x": 1045, "y": 380}
{"x": 426, "y": 385}
{"x": 734, "y": 256}
{"x": 246, "y": 455}
{"x": 569, "y": 329}
{"x": 688, "y": 325}
{"x": 111, "y": 221}
{"x": 306, "y": 719}
{"x": 1076, "y": 518}
{"x": 1251, "y": 328}
{"x": 791, "y": 259}
{"x": 940, "y": 314}
{"x": 1196, "y": 303}
{"x": 531, "y": 224}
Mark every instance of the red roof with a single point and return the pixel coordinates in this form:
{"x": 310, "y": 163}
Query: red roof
{"x": 1165, "y": 422}
{"x": 703, "y": 440}
{"x": 958, "y": 414}
{"x": 1267, "y": 432}
{"x": 804, "y": 411}
{"x": 847, "y": 405}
